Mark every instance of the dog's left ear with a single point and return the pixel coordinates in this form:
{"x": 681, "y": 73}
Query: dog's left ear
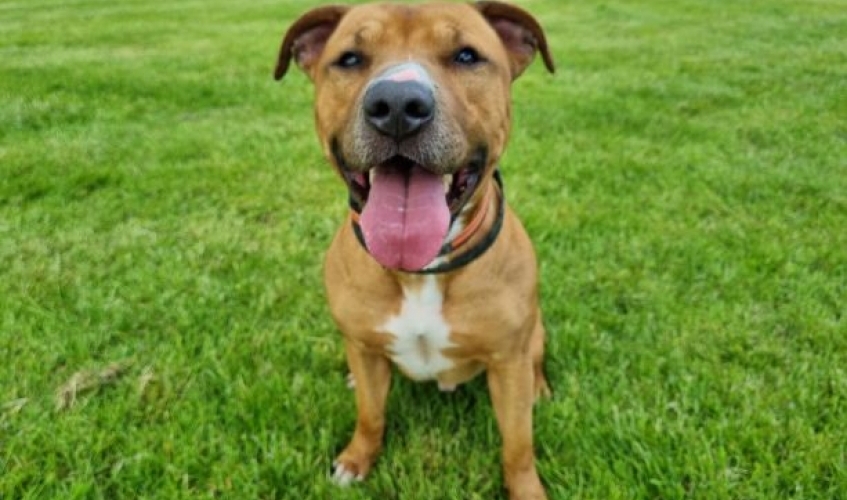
{"x": 520, "y": 32}
{"x": 305, "y": 39}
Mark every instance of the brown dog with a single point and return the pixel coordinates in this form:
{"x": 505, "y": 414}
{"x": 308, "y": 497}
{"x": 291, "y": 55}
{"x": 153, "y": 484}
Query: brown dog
{"x": 432, "y": 270}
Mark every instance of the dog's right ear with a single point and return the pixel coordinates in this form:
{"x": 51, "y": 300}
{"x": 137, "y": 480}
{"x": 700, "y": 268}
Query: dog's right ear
{"x": 305, "y": 39}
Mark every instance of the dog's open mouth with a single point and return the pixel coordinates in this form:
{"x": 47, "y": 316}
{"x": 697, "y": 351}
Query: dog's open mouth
{"x": 458, "y": 186}
{"x": 407, "y": 209}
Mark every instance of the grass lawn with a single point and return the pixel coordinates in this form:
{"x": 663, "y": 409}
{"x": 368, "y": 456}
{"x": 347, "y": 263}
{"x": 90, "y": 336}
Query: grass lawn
{"x": 164, "y": 208}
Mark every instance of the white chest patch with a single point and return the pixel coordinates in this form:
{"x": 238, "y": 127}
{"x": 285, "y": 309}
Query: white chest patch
{"x": 420, "y": 332}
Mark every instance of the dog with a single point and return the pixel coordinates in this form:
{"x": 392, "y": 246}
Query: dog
{"x": 431, "y": 271}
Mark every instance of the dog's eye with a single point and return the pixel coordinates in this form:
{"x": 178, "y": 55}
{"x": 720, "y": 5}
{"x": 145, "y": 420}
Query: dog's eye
{"x": 467, "y": 56}
{"x": 350, "y": 59}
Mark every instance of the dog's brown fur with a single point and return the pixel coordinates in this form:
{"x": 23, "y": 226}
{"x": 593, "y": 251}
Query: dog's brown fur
{"x": 491, "y": 304}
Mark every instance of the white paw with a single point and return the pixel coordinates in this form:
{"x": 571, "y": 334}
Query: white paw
{"x": 351, "y": 381}
{"x": 446, "y": 387}
{"x": 343, "y": 477}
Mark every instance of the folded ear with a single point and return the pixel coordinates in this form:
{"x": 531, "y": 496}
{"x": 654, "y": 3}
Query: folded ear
{"x": 305, "y": 39}
{"x": 520, "y": 32}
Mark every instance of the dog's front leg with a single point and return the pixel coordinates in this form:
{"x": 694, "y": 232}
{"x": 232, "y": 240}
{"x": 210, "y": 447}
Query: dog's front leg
{"x": 372, "y": 373}
{"x": 510, "y": 382}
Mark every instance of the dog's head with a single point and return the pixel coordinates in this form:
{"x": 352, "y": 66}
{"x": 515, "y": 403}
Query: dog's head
{"x": 413, "y": 108}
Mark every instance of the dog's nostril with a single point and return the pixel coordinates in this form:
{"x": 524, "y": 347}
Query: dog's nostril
{"x": 418, "y": 109}
{"x": 379, "y": 109}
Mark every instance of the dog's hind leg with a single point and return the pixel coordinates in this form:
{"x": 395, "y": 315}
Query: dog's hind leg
{"x": 540, "y": 386}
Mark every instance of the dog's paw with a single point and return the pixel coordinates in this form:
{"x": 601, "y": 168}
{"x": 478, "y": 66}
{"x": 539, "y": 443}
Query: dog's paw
{"x": 343, "y": 475}
{"x": 542, "y": 391}
{"x": 353, "y": 464}
{"x": 542, "y": 388}
{"x": 527, "y": 487}
{"x": 530, "y": 496}
{"x": 351, "y": 381}
{"x": 443, "y": 387}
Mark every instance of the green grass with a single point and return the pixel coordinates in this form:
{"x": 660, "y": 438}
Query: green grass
{"x": 164, "y": 209}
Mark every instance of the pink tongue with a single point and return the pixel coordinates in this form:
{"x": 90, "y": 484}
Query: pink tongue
{"x": 406, "y": 217}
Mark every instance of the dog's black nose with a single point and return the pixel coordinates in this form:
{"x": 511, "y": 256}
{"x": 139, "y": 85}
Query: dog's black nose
{"x": 399, "y": 109}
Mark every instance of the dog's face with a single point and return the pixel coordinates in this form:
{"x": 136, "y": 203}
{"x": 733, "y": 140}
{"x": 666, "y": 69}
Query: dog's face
{"x": 412, "y": 108}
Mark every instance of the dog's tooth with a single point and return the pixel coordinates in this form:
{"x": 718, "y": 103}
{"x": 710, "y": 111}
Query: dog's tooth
{"x": 371, "y": 175}
{"x": 448, "y": 181}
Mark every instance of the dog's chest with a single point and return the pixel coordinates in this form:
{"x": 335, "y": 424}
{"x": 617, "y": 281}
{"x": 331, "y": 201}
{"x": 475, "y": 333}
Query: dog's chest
{"x": 421, "y": 332}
